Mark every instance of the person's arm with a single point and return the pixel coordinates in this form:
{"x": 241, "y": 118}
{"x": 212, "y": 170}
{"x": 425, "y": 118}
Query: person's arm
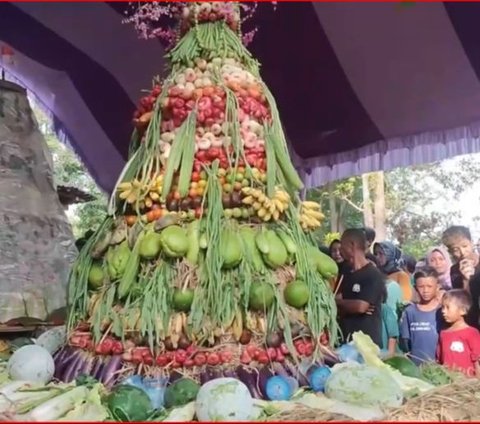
{"x": 474, "y": 344}
{"x": 392, "y": 346}
{"x": 352, "y": 306}
{"x": 404, "y": 341}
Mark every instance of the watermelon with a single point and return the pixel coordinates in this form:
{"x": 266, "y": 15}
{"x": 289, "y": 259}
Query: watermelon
{"x": 404, "y": 365}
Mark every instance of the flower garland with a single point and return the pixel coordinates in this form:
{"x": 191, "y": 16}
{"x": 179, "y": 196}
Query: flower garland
{"x": 168, "y": 21}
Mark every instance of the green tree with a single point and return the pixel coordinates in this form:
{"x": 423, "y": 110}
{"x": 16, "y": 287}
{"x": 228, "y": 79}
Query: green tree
{"x": 69, "y": 171}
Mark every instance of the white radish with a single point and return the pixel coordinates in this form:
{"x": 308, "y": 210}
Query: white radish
{"x": 190, "y": 75}
{"x": 57, "y": 407}
{"x": 207, "y": 82}
{"x": 180, "y": 79}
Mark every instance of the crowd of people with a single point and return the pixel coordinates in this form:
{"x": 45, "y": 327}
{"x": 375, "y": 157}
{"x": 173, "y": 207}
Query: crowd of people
{"x": 428, "y": 309}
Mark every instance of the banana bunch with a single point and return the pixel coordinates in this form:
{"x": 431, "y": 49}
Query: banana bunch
{"x": 266, "y": 208}
{"x": 310, "y": 215}
{"x": 130, "y": 191}
{"x": 145, "y": 193}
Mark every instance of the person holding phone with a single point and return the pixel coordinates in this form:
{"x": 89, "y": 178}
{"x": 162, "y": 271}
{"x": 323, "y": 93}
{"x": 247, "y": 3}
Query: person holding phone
{"x": 465, "y": 272}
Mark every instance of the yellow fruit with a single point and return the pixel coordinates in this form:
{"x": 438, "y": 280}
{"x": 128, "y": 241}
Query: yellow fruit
{"x": 124, "y": 194}
{"x": 261, "y": 198}
{"x": 136, "y": 183}
{"x": 267, "y": 217}
{"x": 261, "y": 212}
{"x": 257, "y": 206}
{"x": 311, "y": 205}
{"x": 276, "y": 215}
{"x": 249, "y": 200}
{"x": 154, "y": 196}
{"x": 131, "y": 198}
{"x": 124, "y": 186}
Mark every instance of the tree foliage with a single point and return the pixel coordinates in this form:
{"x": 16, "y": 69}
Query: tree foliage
{"x": 69, "y": 171}
{"x": 415, "y": 215}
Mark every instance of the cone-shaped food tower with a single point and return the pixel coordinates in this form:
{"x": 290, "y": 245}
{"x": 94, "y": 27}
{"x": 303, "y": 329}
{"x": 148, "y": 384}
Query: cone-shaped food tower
{"x": 206, "y": 259}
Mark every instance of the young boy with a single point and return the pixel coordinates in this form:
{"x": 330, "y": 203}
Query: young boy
{"x": 459, "y": 345}
{"x": 419, "y": 322}
{"x": 465, "y": 273}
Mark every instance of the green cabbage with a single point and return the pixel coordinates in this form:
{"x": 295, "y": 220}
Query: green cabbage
{"x": 363, "y": 385}
{"x": 129, "y": 403}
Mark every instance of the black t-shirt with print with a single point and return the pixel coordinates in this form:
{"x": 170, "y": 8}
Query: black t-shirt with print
{"x": 473, "y": 316}
{"x": 367, "y": 284}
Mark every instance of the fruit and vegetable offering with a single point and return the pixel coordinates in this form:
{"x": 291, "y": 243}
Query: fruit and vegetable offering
{"x": 206, "y": 265}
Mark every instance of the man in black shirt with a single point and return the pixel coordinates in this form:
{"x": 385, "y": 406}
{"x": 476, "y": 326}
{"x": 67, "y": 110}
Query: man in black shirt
{"x": 465, "y": 273}
{"x": 362, "y": 287}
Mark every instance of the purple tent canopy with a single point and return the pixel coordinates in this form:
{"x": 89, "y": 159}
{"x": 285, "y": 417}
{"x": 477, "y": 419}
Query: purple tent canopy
{"x": 360, "y": 86}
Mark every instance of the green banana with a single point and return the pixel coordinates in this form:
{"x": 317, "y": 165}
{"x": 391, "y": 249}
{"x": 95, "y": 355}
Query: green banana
{"x": 193, "y": 234}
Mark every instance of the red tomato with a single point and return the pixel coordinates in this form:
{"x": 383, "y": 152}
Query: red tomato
{"x": 200, "y": 359}
{"x": 213, "y": 359}
{"x": 195, "y": 177}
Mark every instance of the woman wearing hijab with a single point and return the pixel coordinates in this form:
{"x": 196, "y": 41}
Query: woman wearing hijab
{"x": 439, "y": 259}
{"x": 389, "y": 262}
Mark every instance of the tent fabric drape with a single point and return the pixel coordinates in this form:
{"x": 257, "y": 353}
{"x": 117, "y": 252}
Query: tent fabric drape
{"x": 360, "y": 86}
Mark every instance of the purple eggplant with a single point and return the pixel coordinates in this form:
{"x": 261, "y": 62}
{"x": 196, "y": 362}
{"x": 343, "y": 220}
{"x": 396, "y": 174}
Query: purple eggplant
{"x": 109, "y": 374}
{"x": 72, "y": 369}
{"x": 174, "y": 376}
{"x": 99, "y": 366}
{"x": 278, "y": 369}
{"x": 295, "y": 373}
{"x": 263, "y": 375}
{"x": 230, "y": 373}
{"x": 64, "y": 361}
{"x": 204, "y": 377}
{"x": 248, "y": 378}
{"x": 87, "y": 367}
{"x": 215, "y": 372}
{"x": 96, "y": 364}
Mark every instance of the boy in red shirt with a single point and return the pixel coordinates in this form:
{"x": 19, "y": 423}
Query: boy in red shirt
{"x": 459, "y": 345}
